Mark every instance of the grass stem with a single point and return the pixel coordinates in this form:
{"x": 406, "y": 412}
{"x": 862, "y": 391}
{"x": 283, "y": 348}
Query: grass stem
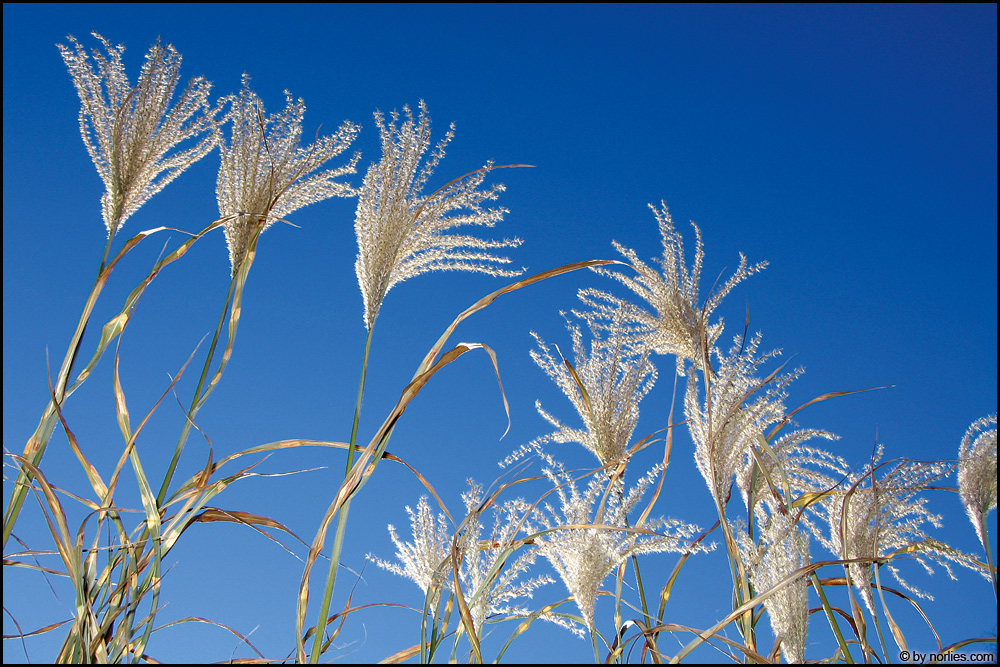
{"x": 197, "y": 399}
{"x": 338, "y": 539}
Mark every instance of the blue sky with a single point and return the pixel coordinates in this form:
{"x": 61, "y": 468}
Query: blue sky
{"x": 852, "y": 147}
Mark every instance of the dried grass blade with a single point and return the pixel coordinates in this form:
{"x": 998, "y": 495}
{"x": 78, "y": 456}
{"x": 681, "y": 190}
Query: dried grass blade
{"x": 841, "y": 581}
{"x": 117, "y": 323}
{"x": 282, "y": 444}
{"x": 526, "y": 623}
{"x": 130, "y": 439}
{"x": 60, "y": 531}
{"x": 400, "y": 656}
{"x": 158, "y": 547}
{"x": 35, "y": 447}
{"x": 897, "y": 632}
{"x": 357, "y": 476}
{"x": 10, "y": 562}
{"x": 844, "y": 649}
{"x": 340, "y": 626}
{"x": 428, "y": 360}
{"x": 704, "y": 636}
{"x": 234, "y": 317}
{"x": 196, "y": 619}
{"x": 968, "y": 642}
{"x": 674, "y": 627}
{"x": 465, "y": 614}
{"x": 423, "y": 480}
{"x": 39, "y": 631}
{"x": 212, "y": 514}
{"x": 92, "y": 475}
{"x": 819, "y": 399}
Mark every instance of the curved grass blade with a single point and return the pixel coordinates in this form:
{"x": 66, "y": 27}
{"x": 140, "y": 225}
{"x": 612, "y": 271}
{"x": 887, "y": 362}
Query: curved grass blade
{"x": 358, "y": 475}
{"x": 353, "y": 481}
{"x": 37, "y": 443}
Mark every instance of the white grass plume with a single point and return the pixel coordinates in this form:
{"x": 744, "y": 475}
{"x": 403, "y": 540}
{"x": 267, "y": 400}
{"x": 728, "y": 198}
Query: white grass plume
{"x": 265, "y": 175}
{"x": 490, "y": 582}
{"x": 131, "y": 132}
{"x": 977, "y": 472}
{"x": 787, "y": 461}
{"x": 605, "y": 385}
{"x": 882, "y": 518}
{"x": 783, "y": 549}
{"x": 402, "y": 232}
{"x": 726, "y": 420}
{"x": 585, "y": 544}
{"x": 677, "y": 325}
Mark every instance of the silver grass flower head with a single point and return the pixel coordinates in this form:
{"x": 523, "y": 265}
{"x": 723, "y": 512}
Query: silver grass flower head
{"x": 425, "y": 559}
{"x": 977, "y": 471}
{"x": 265, "y": 175}
{"x": 612, "y": 382}
{"x": 733, "y": 414}
{"x": 676, "y": 325}
{"x": 489, "y": 582}
{"x": 403, "y": 232}
{"x": 131, "y": 131}
{"x": 584, "y": 557}
{"x": 783, "y": 550}
{"x": 880, "y": 518}
{"x": 804, "y": 469}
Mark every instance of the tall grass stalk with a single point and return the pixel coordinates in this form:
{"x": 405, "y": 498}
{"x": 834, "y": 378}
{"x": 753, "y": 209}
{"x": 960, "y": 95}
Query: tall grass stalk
{"x": 402, "y": 233}
{"x": 989, "y": 556}
{"x": 338, "y": 538}
{"x": 197, "y": 400}
{"x": 433, "y": 361}
{"x": 834, "y": 625}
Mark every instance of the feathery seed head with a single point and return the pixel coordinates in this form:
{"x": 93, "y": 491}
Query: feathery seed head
{"x": 130, "y": 132}
{"x": 584, "y": 557}
{"x": 805, "y": 469}
{"x": 488, "y": 581}
{"x": 874, "y": 519}
{"x": 977, "y": 471}
{"x": 424, "y": 560}
{"x": 677, "y": 325}
{"x": 783, "y": 550}
{"x": 604, "y": 385}
{"x": 265, "y": 175}
{"x": 736, "y": 410}
{"x": 402, "y": 232}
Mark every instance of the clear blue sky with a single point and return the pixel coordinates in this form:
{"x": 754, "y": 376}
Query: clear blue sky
{"x": 853, "y": 147}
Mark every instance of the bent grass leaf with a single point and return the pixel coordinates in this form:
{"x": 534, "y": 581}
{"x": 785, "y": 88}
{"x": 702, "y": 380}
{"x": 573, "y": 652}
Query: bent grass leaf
{"x": 116, "y": 324}
{"x": 427, "y": 368}
{"x": 212, "y": 514}
{"x": 819, "y": 399}
{"x": 40, "y": 631}
{"x": 34, "y": 450}
{"x": 493, "y": 296}
{"x": 747, "y": 606}
{"x": 841, "y": 581}
{"x": 196, "y": 619}
{"x": 527, "y": 622}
